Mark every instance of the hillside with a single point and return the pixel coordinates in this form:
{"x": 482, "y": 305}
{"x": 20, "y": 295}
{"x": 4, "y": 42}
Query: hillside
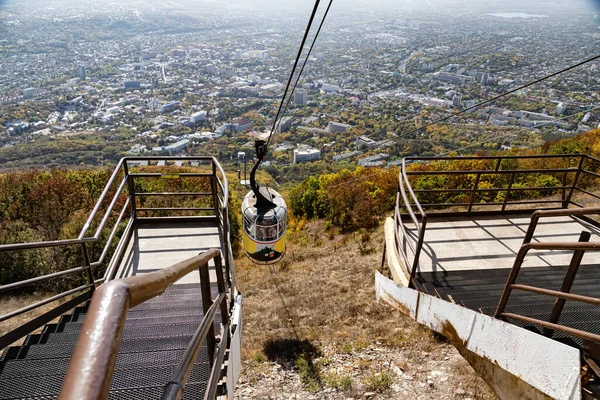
{"x": 313, "y": 329}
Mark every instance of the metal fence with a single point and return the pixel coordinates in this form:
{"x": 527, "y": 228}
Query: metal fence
{"x": 452, "y": 186}
{"x": 564, "y": 193}
{"x": 119, "y": 204}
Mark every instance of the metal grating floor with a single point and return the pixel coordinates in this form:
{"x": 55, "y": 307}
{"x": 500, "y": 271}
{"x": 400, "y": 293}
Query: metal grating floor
{"x": 156, "y": 332}
{"x": 480, "y": 290}
{"x": 150, "y": 350}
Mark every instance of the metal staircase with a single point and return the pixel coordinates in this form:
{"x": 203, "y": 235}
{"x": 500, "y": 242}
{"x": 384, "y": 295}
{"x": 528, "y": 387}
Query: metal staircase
{"x": 165, "y": 319}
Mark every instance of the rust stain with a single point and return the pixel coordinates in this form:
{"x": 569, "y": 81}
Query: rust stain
{"x": 451, "y": 334}
{"x": 395, "y": 303}
{"x": 506, "y": 385}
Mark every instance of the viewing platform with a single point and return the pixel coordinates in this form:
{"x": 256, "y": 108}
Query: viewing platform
{"x": 495, "y": 245}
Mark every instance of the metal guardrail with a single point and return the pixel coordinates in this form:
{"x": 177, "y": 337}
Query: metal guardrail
{"x": 410, "y": 207}
{"x": 93, "y": 362}
{"x": 125, "y": 182}
{"x": 578, "y": 248}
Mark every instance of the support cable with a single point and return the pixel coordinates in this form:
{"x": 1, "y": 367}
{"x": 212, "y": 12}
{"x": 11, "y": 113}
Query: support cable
{"x": 310, "y": 21}
{"x": 302, "y": 69}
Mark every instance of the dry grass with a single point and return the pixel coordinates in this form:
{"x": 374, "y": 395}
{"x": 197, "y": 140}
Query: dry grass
{"x": 322, "y": 293}
{"x": 11, "y": 303}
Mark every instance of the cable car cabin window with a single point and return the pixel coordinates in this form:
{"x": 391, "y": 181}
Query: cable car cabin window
{"x": 266, "y": 233}
{"x": 281, "y": 229}
{"x": 249, "y": 227}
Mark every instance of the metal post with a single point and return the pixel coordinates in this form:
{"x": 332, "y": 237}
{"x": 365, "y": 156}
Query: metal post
{"x": 87, "y": 264}
{"x": 579, "y": 167}
{"x": 222, "y": 289}
{"x": 565, "y": 204}
{"x": 514, "y": 272}
{"x": 567, "y": 283}
{"x": 226, "y": 246}
{"x": 474, "y": 192}
{"x": 206, "y": 304}
{"x": 213, "y": 184}
{"x": 130, "y": 189}
{"x": 498, "y": 164}
{"x": 507, "y": 195}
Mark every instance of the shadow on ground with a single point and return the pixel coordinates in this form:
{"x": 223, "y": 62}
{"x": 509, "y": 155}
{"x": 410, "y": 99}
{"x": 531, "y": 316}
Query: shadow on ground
{"x": 297, "y": 354}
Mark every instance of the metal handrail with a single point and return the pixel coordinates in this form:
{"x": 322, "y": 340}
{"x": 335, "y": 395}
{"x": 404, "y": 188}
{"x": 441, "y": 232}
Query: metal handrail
{"x": 92, "y": 215}
{"x": 93, "y": 362}
{"x": 528, "y": 245}
{"x": 128, "y": 211}
{"x": 420, "y": 226}
{"x": 175, "y": 388}
{"x": 407, "y": 197}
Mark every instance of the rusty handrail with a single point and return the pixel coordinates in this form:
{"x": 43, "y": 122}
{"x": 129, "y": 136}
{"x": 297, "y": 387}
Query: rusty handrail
{"x": 122, "y": 182}
{"x": 536, "y": 215}
{"x": 407, "y": 196}
{"x": 92, "y": 364}
{"x": 561, "y": 295}
{"x": 419, "y": 225}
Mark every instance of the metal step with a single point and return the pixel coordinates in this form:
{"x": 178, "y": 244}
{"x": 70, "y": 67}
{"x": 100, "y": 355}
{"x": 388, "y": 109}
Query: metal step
{"x": 49, "y": 385}
{"x": 64, "y": 350}
{"x": 130, "y": 333}
{"x": 26, "y": 367}
{"x": 165, "y": 320}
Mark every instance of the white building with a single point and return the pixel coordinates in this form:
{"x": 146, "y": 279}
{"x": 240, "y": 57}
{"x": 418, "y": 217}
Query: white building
{"x": 81, "y": 72}
{"x": 561, "y": 108}
{"x": 330, "y": 88}
{"x": 29, "y": 92}
{"x": 300, "y": 97}
{"x": 285, "y": 125}
{"x": 306, "y": 154}
{"x": 174, "y": 148}
{"x": 199, "y": 116}
{"x": 364, "y": 142}
{"x": 254, "y": 79}
{"x": 457, "y": 100}
{"x": 337, "y": 127}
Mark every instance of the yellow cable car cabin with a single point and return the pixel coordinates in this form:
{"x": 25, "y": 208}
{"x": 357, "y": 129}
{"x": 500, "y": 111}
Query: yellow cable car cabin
{"x": 264, "y": 226}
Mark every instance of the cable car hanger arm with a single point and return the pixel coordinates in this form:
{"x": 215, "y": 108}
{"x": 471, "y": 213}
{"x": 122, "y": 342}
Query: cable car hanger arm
{"x": 262, "y": 202}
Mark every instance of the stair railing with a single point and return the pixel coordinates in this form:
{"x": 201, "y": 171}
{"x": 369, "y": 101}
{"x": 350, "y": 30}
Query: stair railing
{"x": 93, "y": 362}
{"x": 579, "y": 248}
{"x": 78, "y": 294}
{"x": 121, "y": 183}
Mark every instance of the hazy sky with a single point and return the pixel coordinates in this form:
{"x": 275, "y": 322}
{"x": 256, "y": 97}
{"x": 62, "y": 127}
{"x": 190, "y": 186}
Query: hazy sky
{"x": 304, "y": 6}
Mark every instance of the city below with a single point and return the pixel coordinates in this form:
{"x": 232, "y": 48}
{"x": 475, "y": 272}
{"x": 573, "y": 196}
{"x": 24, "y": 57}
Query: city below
{"x": 87, "y": 83}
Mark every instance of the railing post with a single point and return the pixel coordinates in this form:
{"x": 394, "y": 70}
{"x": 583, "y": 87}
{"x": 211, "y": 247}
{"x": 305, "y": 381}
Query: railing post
{"x": 514, "y": 273}
{"x": 87, "y": 264}
{"x": 498, "y": 164}
{"x": 567, "y": 283}
{"x": 575, "y": 180}
{"x": 413, "y": 271}
{"x": 207, "y": 302}
{"x": 222, "y": 289}
{"x": 474, "y": 192}
{"x": 565, "y": 204}
{"x": 130, "y": 189}
{"x": 213, "y": 184}
{"x": 508, "y": 189}
{"x": 227, "y": 247}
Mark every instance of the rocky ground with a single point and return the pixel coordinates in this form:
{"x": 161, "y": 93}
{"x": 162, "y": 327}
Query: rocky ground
{"x": 373, "y": 372}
